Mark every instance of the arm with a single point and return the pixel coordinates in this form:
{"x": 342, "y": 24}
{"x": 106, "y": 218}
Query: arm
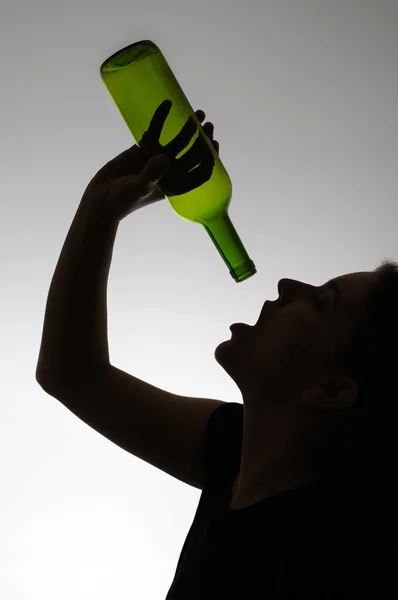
{"x": 166, "y": 430}
{"x": 74, "y": 339}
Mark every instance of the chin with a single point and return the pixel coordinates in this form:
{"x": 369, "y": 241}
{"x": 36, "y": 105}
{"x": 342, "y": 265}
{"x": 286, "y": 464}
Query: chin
{"x": 229, "y": 356}
{"x": 220, "y": 351}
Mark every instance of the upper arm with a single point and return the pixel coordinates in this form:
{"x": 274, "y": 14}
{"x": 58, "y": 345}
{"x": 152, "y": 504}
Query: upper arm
{"x": 165, "y": 430}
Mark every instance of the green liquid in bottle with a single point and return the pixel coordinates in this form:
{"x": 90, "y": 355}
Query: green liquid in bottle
{"x": 162, "y": 121}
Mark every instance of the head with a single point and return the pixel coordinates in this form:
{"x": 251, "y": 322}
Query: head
{"x": 324, "y": 355}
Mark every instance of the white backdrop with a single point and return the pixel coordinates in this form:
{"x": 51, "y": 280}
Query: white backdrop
{"x": 304, "y": 96}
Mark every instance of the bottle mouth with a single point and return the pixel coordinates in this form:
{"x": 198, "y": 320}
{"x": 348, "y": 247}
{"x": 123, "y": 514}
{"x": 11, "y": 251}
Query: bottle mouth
{"x": 244, "y": 271}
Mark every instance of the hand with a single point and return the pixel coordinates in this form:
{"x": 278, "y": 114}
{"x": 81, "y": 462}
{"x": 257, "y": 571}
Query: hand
{"x": 194, "y": 168}
{"x": 130, "y": 181}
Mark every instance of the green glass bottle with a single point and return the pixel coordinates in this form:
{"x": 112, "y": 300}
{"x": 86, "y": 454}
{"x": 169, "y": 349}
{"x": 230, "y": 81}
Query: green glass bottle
{"x": 161, "y": 120}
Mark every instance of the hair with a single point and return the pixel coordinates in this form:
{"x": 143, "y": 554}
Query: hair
{"x": 367, "y": 446}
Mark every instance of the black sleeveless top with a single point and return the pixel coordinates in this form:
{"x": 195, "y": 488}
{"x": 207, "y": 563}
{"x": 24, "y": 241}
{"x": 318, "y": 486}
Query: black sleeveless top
{"x": 310, "y": 542}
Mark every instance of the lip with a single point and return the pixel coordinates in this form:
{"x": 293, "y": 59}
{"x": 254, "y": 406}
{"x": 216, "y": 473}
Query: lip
{"x": 270, "y": 308}
{"x": 237, "y": 326}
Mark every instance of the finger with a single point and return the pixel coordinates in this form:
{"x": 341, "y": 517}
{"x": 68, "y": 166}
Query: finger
{"x": 208, "y": 128}
{"x": 200, "y": 115}
{"x": 159, "y": 118}
{"x": 183, "y": 138}
{"x": 216, "y": 146}
{"x": 196, "y": 167}
{"x": 194, "y": 156}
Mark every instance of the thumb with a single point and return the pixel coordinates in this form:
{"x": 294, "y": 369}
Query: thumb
{"x": 156, "y": 168}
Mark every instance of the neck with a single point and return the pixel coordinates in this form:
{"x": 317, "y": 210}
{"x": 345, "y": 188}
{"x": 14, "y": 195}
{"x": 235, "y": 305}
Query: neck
{"x": 274, "y": 455}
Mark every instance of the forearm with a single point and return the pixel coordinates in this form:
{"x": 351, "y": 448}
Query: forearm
{"x": 75, "y": 337}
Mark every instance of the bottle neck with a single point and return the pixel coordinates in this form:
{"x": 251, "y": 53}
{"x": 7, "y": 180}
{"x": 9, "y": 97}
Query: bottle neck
{"x": 227, "y": 241}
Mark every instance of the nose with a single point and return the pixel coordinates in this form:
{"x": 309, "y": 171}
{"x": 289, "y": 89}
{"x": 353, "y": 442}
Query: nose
{"x": 284, "y": 285}
{"x": 288, "y": 288}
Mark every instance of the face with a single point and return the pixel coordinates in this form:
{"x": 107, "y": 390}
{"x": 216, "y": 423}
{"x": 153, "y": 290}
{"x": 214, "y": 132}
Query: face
{"x": 297, "y": 339}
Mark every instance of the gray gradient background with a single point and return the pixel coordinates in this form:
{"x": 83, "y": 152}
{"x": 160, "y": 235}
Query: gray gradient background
{"x": 304, "y": 97}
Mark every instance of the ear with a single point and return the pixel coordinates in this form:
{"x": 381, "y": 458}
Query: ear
{"x": 340, "y": 393}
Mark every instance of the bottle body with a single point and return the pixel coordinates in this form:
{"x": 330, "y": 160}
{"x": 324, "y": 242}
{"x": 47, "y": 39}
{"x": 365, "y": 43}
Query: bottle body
{"x": 161, "y": 120}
